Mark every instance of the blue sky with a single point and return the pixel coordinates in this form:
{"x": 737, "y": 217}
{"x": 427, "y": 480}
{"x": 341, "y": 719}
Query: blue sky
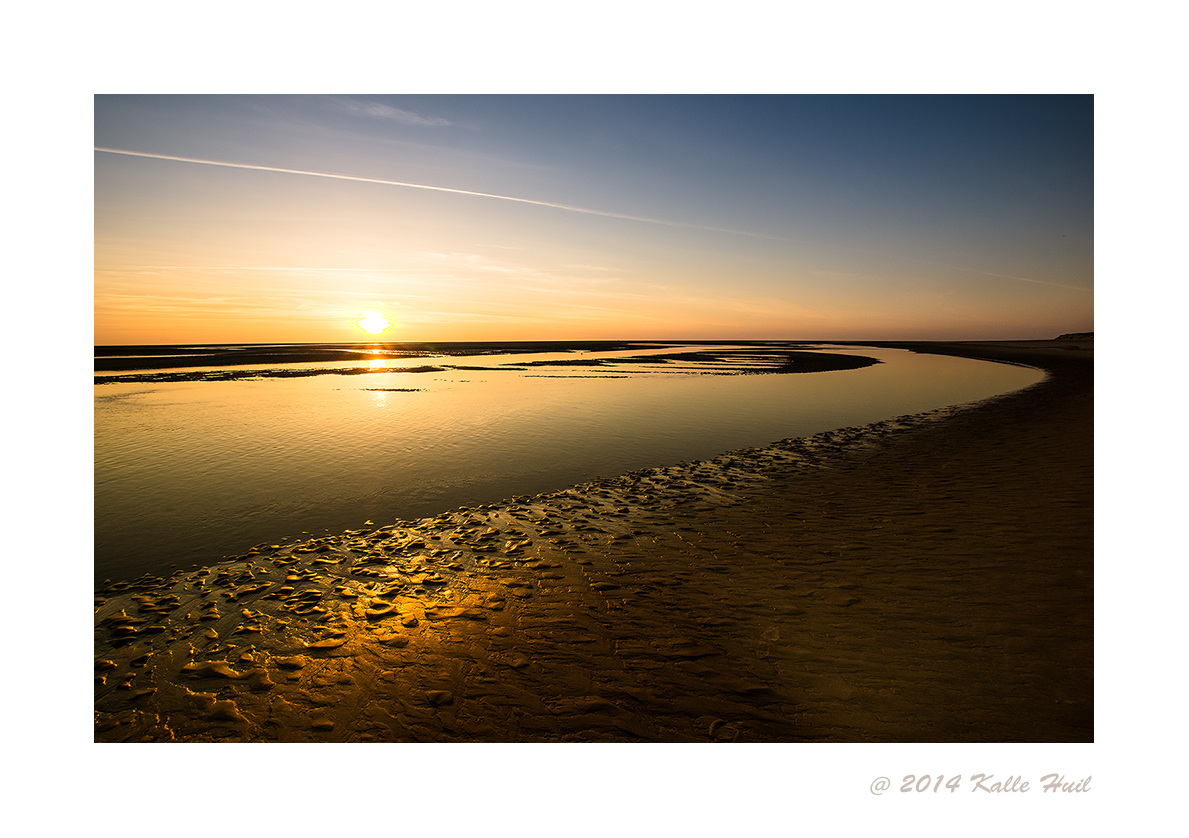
{"x": 697, "y": 217}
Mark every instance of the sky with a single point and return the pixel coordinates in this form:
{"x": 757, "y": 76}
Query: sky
{"x": 440, "y": 218}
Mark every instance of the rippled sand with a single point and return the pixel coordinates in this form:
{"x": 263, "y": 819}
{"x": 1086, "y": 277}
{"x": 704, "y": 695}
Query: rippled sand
{"x": 923, "y": 579}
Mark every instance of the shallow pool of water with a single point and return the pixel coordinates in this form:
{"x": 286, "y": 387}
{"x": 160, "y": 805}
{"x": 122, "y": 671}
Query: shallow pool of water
{"x": 189, "y": 472}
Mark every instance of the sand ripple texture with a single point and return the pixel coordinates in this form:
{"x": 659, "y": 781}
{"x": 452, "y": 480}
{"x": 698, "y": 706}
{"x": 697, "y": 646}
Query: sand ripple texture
{"x": 882, "y": 583}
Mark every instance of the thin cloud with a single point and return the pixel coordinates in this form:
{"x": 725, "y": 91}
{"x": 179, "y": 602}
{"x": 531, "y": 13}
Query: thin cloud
{"x": 282, "y": 268}
{"x": 375, "y": 111}
{"x": 1024, "y": 279}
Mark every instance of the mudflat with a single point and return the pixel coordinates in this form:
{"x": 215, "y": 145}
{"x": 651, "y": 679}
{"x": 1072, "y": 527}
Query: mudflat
{"x": 927, "y": 578}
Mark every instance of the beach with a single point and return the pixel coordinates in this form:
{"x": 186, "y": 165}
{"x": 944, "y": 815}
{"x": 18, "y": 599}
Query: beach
{"x": 923, "y": 579}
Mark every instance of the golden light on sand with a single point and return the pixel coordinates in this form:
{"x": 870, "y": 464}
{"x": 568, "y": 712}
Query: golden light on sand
{"x": 373, "y": 323}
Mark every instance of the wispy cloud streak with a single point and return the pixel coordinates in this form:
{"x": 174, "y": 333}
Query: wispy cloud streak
{"x": 386, "y": 112}
{"x": 237, "y": 268}
{"x": 1024, "y": 279}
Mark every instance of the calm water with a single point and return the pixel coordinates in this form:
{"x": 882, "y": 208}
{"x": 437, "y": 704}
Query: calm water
{"x": 191, "y": 472}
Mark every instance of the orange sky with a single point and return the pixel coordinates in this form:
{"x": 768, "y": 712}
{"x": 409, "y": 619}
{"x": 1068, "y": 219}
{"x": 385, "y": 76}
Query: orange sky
{"x": 576, "y": 218}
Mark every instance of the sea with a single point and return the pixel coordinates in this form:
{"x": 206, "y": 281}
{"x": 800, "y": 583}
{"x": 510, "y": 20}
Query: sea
{"x": 197, "y": 463}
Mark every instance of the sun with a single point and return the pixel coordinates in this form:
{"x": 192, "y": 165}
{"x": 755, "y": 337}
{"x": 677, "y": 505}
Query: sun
{"x": 373, "y": 323}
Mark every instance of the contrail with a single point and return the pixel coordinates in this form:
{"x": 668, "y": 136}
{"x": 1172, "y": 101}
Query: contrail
{"x": 567, "y": 207}
{"x": 408, "y": 185}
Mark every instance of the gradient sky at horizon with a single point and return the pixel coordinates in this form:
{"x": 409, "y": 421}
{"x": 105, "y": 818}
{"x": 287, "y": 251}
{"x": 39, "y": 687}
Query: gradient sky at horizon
{"x": 635, "y": 217}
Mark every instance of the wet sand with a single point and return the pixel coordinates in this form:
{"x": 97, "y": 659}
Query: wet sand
{"x": 231, "y": 355}
{"x": 923, "y": 579}
{"x": 757, "y": 358}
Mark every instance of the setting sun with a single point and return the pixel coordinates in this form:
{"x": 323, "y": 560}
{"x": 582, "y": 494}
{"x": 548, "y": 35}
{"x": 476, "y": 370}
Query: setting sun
{"x": 373, "y": 323}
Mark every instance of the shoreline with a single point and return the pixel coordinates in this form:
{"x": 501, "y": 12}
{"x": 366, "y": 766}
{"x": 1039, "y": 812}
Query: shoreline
{"x": 882, "y": 583}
